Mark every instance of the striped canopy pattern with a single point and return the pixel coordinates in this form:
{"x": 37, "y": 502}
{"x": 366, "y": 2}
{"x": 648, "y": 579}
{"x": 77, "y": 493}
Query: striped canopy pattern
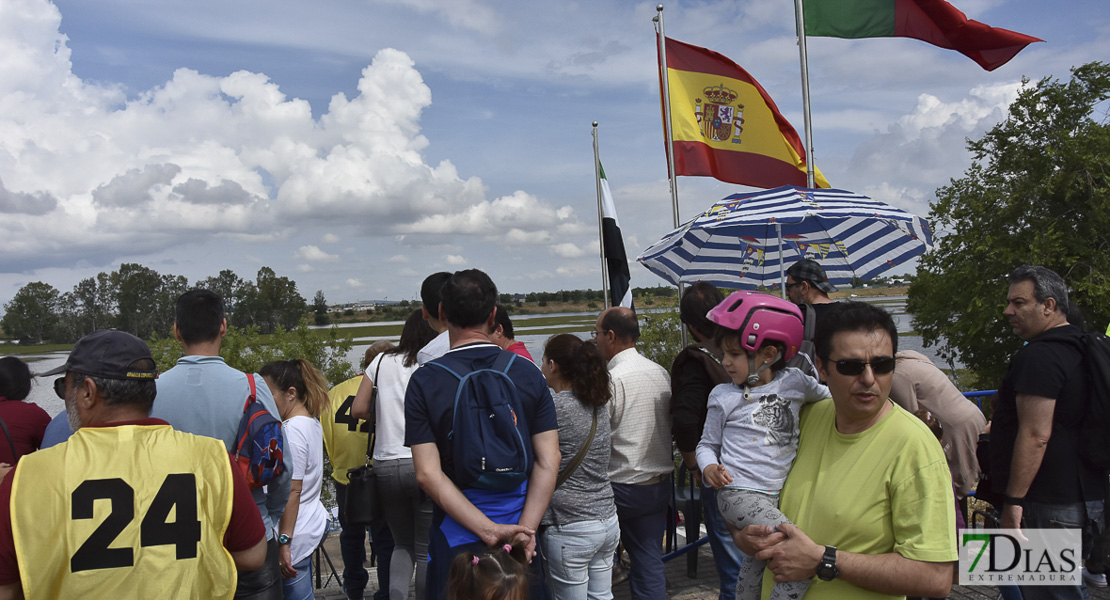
{"x": 736, "y": 243}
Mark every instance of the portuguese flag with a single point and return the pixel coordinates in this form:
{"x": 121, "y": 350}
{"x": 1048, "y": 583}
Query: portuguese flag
{"x": 933, "y": 21}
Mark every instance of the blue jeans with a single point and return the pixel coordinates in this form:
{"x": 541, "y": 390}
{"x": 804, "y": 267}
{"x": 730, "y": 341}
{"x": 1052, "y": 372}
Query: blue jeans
{"x": 726, "y": 556}
{"x": 580, "y": 559}
{"x": 642, "y": 512}
{"x": 300, "y": 586}
{"x": 1080, "y": 516}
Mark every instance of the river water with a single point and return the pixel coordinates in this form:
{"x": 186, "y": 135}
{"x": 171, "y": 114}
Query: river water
{"x": 42, "y": 392}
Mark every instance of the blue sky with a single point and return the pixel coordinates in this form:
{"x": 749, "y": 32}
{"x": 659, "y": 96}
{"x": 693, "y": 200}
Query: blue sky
{"x": 357, "y": 145}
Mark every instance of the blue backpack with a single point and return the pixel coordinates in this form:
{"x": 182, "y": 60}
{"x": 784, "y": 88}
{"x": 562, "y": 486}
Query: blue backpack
{"x": 489, "y": 438}
{"x": 259, "y": 445}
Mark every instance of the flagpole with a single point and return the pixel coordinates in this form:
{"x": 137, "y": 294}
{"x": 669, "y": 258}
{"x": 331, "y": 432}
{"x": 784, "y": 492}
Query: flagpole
{"x": 669, "y": 141}
{"x": 800, "y": 23}
{"x": 667, "y": 138}
{"x": 600, "y": 233}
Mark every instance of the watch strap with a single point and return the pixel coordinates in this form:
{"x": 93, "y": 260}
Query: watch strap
{"x": 826, "y": 569}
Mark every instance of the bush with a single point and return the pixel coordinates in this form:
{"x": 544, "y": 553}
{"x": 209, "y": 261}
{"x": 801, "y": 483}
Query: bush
{"x": 661, "y": 333}
{"x": 247, "y": 350}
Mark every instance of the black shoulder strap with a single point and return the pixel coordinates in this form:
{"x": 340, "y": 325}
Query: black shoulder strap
{"x": 370, "y": 439}
{"x": 11, "y": 444}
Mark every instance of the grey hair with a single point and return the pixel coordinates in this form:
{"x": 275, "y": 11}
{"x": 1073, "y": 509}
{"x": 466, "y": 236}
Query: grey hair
{"x": 1046, "y": 284}
{"x": 118, "y": 392}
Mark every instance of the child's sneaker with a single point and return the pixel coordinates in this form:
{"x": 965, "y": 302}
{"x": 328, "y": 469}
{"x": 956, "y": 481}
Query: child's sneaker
{"x": 1094, "y": 579}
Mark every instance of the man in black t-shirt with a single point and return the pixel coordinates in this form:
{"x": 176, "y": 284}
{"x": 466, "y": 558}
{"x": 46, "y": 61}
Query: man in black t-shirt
{"x": 1034, "y": 434}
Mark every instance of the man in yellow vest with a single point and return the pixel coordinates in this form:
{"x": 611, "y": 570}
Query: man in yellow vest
{"x": 127, "y": 507}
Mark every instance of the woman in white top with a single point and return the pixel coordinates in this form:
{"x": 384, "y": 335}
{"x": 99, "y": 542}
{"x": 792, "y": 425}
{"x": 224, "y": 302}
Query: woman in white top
{"x": 407, "y": 510}
{"x": 301, "y": 394}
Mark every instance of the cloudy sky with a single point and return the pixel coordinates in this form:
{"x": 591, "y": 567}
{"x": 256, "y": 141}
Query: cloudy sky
{"x": 357, "y": 145}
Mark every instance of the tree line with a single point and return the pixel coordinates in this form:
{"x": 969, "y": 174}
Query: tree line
{"x": 140, "y": 300}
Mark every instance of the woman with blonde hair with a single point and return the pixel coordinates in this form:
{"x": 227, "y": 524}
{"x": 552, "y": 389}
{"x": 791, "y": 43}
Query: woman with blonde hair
{"x": 301, "y": 394}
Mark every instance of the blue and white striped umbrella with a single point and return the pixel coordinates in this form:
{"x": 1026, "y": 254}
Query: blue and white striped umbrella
{"x": 746, "y": 241}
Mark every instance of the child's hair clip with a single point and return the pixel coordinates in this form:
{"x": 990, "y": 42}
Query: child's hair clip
{"x": 474, "y": 560}
{"x": 507, "y": 548}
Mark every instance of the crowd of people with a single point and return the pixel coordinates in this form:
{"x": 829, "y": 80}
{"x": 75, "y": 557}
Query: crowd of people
{"x": 830, "y": 464}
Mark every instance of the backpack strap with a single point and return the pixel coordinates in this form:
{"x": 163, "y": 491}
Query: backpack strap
{"x": 810, "y": 324}
{"x": 253, "y": 395}
{"x": 246, "y": 406}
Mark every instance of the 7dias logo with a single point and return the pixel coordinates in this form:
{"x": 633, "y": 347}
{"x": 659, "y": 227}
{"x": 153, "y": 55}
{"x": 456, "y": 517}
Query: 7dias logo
{"x": 1020, "y": 557}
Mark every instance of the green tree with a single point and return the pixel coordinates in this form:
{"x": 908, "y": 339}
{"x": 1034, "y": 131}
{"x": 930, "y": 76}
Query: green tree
{"x": 228, "y": 285}
{"x": 1037, "y": 193}
{"x": 138, "y": 296}
{"x": 320, "y": 308}
{"x": 32, "y": 314}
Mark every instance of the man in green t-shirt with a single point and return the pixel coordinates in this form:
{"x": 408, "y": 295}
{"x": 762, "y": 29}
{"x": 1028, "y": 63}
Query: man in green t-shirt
{"x": 870, "y": 492}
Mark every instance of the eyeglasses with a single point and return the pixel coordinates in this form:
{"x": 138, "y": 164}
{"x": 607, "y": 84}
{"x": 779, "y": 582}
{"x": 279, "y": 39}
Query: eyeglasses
{"x": 60, "y": 387}
{"x": 854, "y": 366}
{"x": 790, "y": 285}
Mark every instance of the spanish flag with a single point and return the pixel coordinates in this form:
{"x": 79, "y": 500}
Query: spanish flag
{"x": 724, "y": 125}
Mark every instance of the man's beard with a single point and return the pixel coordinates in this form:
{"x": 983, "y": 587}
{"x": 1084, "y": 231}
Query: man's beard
{"x": 71, "y": 413}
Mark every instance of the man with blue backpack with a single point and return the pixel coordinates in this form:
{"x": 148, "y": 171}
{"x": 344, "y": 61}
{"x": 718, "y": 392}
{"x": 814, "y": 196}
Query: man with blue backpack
{"x": 482, "y": 427}
{"x": 202, "y": 395}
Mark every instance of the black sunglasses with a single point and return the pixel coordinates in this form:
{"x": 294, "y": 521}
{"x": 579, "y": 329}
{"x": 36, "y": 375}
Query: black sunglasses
{"x": 60, "y": 387}
{"x": 790, "y": 285}
{"x": 854, "y": 366}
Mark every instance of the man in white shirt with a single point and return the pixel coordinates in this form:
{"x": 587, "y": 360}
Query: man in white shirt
{"x": 641, "y": 463}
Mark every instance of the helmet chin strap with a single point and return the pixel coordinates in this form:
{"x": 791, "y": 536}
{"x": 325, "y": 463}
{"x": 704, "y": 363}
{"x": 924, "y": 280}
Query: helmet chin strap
{"x": 753, "y": 372}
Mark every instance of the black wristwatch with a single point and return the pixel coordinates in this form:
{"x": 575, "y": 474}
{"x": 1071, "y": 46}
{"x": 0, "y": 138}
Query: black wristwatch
{"x": 826, "y": 569}
{"x": 284, "y": 539}
{"x": 1014, "y": 501}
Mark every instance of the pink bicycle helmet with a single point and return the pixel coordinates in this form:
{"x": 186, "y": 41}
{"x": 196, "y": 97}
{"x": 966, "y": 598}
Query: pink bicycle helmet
{"x": 761, "y": 317}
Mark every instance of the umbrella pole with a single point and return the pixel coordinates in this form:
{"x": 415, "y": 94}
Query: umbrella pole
{"x": 782, "y": 272}
{"x": 666, "y": 89}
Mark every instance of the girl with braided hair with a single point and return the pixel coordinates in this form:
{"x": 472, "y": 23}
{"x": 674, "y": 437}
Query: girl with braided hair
{"x": 496, "y": 574}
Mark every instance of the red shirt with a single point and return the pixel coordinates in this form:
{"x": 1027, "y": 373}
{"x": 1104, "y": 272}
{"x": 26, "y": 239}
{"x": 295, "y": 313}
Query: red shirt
{"x": 26, "y": 423}
{"x": 244, "y": 530}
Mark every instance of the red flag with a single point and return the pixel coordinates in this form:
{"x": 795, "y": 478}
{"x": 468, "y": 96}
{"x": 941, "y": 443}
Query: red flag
{"x": 933, "y": 21}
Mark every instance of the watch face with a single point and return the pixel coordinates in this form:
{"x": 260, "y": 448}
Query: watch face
{"x": 284, "y": 539}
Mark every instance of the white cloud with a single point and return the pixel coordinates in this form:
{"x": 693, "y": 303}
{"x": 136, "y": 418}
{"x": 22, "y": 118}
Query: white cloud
{"x": 354, "y": 283}
{"x": 455, "y": 260}
{"x": 906, "y": 163}
{"x": 201, "y": 157}
{"x": 397, "y": 259}
{"x": 330, "y": 238}
{"x": 312, "y": 253}
{"x": 518, "y": 216}
{"x": 567, "y": 250}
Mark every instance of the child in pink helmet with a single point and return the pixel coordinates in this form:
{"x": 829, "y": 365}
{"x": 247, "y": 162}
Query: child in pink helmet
{"x": 751, "y": 428}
